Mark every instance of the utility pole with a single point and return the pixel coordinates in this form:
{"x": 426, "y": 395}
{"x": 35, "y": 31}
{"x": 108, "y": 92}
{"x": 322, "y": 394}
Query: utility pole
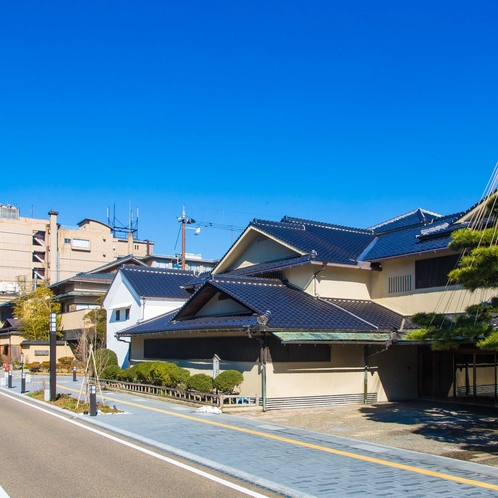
{"x": 185, "y": 221}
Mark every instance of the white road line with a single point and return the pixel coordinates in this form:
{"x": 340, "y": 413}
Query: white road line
{"x": 3, "y": 494}
{"x": 139, "y": 448}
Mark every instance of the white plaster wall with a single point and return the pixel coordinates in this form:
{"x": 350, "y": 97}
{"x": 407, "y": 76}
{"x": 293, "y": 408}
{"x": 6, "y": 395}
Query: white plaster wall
{"x": 120, "y": 292}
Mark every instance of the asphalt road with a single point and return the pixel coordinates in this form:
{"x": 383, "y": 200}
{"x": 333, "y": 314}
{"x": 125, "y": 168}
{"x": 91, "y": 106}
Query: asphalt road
{"x": 47, "y": 455}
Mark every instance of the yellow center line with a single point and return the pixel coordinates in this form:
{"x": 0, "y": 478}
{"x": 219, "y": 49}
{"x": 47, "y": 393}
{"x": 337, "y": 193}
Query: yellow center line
{"x": 324, "y": 449}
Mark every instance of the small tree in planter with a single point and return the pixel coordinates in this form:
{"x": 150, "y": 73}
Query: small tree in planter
{"x": 228, "y": 381}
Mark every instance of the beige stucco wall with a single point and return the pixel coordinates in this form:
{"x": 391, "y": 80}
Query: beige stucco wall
{"x": 332, "y": 281}
{"x": 16, "y": 247}
{"x": 61, "y": 259}
{"x": 30, "y": 357}
{"x": 254, "y": 248}
{"x": 392, "y": 374}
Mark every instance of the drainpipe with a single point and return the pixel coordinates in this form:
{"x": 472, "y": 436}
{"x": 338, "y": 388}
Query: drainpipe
{"x": 365, "y": 375}
{"x": 262, "y": 362}
{"x": 324, "y": 265}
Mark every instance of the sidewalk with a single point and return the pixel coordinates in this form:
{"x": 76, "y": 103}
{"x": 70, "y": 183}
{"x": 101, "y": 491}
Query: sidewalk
{"x": 265, "y": 449}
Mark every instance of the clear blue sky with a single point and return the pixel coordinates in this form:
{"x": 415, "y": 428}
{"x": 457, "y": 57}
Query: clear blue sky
{"x": 344, "y": 112}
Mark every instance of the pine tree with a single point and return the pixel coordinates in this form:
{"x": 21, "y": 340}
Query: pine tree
{"x": 477, "y": 269}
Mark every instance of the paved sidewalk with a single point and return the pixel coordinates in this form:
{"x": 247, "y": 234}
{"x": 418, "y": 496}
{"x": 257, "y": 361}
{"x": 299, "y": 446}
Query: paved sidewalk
{"x": 288, "y": 460}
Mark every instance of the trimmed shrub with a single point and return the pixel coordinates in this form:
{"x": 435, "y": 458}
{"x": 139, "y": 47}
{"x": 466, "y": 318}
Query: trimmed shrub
{"x": 200, "y": 382}
{"x": 179, "y": 377}
{"x": 142, "y": 371}
{"x": 110, "y": 373}
{"x": 66, "y": 360}
{"x": 159, "y": 374}
{"x": 128, "y": 374}
{"x": 227, "y": 381}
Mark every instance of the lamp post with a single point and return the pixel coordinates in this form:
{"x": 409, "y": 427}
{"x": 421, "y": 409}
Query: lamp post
{"x": 53, "y": 356}
{"x": 23, "y": 376}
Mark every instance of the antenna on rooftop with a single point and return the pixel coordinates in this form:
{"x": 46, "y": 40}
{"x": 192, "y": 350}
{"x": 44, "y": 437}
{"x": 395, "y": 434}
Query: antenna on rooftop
{"x": 119, "y": 229}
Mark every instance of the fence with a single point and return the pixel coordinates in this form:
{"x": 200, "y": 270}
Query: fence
{"x": 210, "y": 399}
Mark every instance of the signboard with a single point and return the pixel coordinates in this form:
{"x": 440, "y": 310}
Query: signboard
{"x": 216, "y": 366}
{"x": 41, "y": 352}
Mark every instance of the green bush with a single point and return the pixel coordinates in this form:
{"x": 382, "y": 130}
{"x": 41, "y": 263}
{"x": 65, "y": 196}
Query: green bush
{"x": 66, "y": 360}
{"x": 110, "y": 373}
{"x": 34, "y": 367}
{"x": 179, "y": 377}
{"x": 159, "y": 374}
{"x": 128, "y": 374}
{"x": 227, "y": 381}
{"x": 200, "y": 382}
{"x": 143, "y": 371}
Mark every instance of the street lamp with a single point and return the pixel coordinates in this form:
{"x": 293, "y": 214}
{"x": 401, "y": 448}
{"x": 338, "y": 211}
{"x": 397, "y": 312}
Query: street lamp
{"x": 53, "y": 356}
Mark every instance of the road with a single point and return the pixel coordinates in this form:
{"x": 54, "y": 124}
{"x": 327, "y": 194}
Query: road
{"x": 288, "y": 461}
{"x": 51, "y": 455}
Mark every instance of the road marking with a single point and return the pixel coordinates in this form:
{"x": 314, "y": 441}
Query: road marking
{"x": 3, "y": 494}
{"x": 387, "y": 463}
{"x": 139, "y": 448}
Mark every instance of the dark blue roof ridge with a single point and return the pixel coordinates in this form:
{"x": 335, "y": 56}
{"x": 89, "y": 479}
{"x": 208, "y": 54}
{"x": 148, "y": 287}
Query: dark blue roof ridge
{"x": 243, "y": 279}
{"x": 277, "y": 224}
{"x": 151, "y": 269}
{"x": 333, "y": 226}
{"x": 419, "y": 211}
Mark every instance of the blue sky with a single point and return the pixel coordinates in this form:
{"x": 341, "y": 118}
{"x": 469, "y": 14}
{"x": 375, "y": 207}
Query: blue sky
{"x": 344, "y": 112}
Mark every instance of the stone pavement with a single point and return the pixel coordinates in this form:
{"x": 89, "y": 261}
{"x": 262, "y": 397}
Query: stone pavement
{"x": 284, "y": 459}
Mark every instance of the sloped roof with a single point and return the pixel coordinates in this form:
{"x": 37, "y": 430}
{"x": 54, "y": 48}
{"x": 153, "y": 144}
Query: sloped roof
{"x": 424, "y": 238}
{"x": 157, "y": 282}
{"x": 285, "y": 307}
{"x": 272, "y": 266}
{"x": 413, "y": 218}
{"x": 9, "y": 325}
{"x": 331, "y": 243}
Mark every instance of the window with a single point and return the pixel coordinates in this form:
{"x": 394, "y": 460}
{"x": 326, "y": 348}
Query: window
{"x": 433, "y": 272}
{"x": 122, "y": 314}
{"x": 401, "y": 283}
{"x": 81, "y": 244}
{"x": 67, "y": 241}
{"x": 137, "y": 247}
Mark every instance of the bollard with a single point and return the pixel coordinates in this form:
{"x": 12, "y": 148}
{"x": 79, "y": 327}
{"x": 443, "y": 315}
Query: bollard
{"x": 93, "y": 401}
{"x": 74, "y": 374}
{"x": 10, "y": 379}
{"x": 23, "y": 383}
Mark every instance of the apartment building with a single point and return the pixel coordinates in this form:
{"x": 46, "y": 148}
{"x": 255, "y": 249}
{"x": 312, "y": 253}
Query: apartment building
{"x": 34, "y": 249}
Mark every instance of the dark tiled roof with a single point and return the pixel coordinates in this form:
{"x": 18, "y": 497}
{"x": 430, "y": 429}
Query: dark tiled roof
{"x": 262, "y": 268}
{"x": 412, "y": 240}
{"x": 157, "y": 282}
{"x": 331, "y": 243}
{"x": 9, "y": 324}
{"x": 289, "y": 309}
{"x": 382, "y": 317}
{"x": 413, "y": 218}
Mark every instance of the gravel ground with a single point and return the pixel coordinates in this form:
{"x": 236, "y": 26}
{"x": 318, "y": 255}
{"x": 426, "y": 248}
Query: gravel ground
{"x": 455, "y": 431}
